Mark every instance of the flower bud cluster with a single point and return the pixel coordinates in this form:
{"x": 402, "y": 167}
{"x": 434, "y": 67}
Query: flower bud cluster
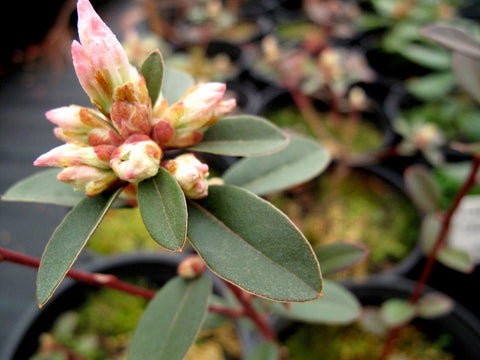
{"x": 123, "y": 139}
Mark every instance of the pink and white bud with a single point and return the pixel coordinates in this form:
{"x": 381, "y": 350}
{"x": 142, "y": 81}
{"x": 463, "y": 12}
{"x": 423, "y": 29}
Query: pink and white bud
{"x": 190, "y": 174}
{"x": 74, "y": 155}
{"x": 191, "y": 267}
{"x": 90, "y": 179}
{"x": 138, "y": 158}
{"x": 99, "y": 59}
{"x": 199, "y": 108}
{"x": 131, "y": 112}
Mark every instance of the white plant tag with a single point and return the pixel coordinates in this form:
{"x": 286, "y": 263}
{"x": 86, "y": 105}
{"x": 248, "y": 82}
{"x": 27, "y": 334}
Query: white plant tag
{"x": 465, "y": 227}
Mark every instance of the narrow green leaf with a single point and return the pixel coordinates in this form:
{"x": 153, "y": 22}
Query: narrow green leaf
{"x": 300, "y": 161}
{"x": 43, "y": 187}
{"x": 467, "y": 74}
{"x": 163, "y": 208}
{"x": 171, "y": 320}
{"x": 242, "y": 135}
{"x": 247, "y": 241}
{"x": 395, "y": 312}
{"x": 453, "y": 38}
{"x": 339, "y": 256}
{"x": 264, "y": 351}
{"x": 423, "y": 189}
{"x": 432, "y": 86}
{"x": 68, "y": 240}
{"x": 152, "y": 71}
{"x": 337, "y": 306}
{"x": 456, "y": 259}
{"x": 175, "y": 84}
{"x": 434, "y": 305}
{"x": 429, "y": 231}
{"x": 434, "y": 58}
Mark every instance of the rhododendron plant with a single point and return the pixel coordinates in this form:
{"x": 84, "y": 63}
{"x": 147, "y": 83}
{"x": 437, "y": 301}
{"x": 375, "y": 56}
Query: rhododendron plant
{"x": 141, "y": 144}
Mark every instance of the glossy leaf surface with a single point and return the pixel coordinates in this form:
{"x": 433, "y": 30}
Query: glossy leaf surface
{"x": 164, "y": 210}
{"x": 242, "y": 135}
{"x": 300, "y": 161}
{"x": 250, "y": 243}
{"x": 171, "y": 321}
{"x": 68, "y": 240}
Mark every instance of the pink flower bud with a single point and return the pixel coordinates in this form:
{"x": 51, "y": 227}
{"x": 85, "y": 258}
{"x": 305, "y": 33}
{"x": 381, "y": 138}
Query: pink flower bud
{"x": 191, "y": 267}
{"x": 131, "y": 112}
{"x": 190, "y": 174}
{"x": 138, "y": 158}
{"x": 90, "y": 179}
{"x": 73, "y": 155}
{"x": 100, "y": 61}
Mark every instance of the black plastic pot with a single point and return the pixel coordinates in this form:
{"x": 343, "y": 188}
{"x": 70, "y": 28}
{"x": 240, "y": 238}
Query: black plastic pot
{"x": 157, "y": 268}
{"x": 459, "y": 324}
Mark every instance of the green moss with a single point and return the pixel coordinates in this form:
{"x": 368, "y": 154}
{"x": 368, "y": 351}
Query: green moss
{"x": 122, "y": 231}
{"x": 355, "y": 207}
{"x": 352, "y": 343}
{"x": 339, "y": 135}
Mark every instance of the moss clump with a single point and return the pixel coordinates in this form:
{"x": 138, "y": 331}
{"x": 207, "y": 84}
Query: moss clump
{"x": 353, "y": 343}
{"x": 122, "y": 231}
{"x": 354, "y": 207}
{"x": 339, "y": 135}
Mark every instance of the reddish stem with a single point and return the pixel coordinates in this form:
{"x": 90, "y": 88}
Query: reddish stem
{"x": 432, "y": 256}
{"x": 104, "y": 280}
{"x": 245, "y": 300}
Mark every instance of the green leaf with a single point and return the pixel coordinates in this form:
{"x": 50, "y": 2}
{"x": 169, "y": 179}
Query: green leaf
{"x": 175, "y": 84}
{"x": 434, "y": 305}
{"x": 152, "y": 71}
{"x": 68, "y": 240}
{"x": 456, "y": 259}
{"x": 337, "y": 306}
{"x": 247, "y": 241}
{"x": 242, "y": 135}
{"x": 300, "y": 161}
{"x": 467, "y": 74}
{"x": 264, "y": 351}
{"x": 423, "y": 189}
{"x": 171, "y": 320}
{"x": 339, "y": 256}
{"x": 453, "y": 38}
{"x": 43, "y": 187}
{"x": 163, "y": 208}
{"x": 428, "y": 56}
{"x": 429, "y": 231}
{"x": 431, "y": 87}
{"x": 395, "y": 312}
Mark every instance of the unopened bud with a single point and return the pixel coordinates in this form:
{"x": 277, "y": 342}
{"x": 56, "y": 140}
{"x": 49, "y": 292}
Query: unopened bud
{"x": 357, "y": 98}
{"x": 136, "y": 159}
{"x": 191, "y": 267}
{"x": 74, "y": 155}
{"x": 90, "y": 179}
{"x": 190, "y": 174}
{"x": 428, "y": 135}
{"x": 271, "y": 50}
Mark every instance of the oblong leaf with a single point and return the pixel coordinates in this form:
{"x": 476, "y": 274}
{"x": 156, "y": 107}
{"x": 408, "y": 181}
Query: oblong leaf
{"x": 152, "y": 71}
{"x": 339, "y": 256}
{"x": 434, "y": 305}
{"x": 242, "y": 135}
{"x": 432, "y": 86}
{"x": 300, "y": 161}
{"x": 457, "y": 259}
{"x": 43, "y": 187}
{"x": 337, "y": 306}
{"x": 453, "y": 38}
{"x": 395, "y": 312}
{"x": 163, "y": 208}
{"x": 171, "y": 320}
{"x": 68, "y": 240}
{"x": 247, "y": 241}
{"x": 175, "y": 84}
{"x": 423, "y": 189}
{"x": 467, "y": 74}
